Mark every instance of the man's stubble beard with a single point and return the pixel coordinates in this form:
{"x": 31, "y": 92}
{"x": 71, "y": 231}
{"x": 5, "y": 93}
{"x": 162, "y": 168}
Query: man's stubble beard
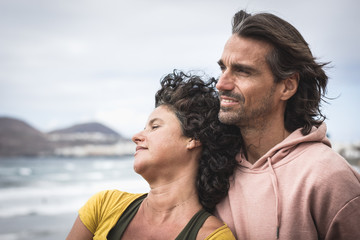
{"x": 243, "y": 117}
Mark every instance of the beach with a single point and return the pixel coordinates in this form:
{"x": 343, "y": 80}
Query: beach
{"x": 39, "y": 227}
{"x": 40, "y": 197}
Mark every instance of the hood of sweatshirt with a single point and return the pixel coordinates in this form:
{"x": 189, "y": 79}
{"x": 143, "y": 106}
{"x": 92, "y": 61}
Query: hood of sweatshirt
{"x": 279, "y": 152}
{"x": 287, "y": 146}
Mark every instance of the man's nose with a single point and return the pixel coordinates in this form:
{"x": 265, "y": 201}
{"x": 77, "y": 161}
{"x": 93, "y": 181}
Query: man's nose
{"x": 225, "y": 82}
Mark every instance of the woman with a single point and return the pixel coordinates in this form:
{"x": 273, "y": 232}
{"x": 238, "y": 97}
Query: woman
{"x": 186, "y": 155}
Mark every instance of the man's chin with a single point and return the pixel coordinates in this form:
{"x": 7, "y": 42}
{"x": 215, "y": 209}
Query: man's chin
{"x": 227, "y": 118}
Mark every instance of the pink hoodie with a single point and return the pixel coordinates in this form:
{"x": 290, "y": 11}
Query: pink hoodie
{"x": 300, "y": 189}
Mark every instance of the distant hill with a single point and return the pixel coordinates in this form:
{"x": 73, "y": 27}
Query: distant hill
{"x": 89, "y": 139}
{"x": 17, "y": 138}
{"x": 91, "y": 127}
{"x": 84, "y": 134}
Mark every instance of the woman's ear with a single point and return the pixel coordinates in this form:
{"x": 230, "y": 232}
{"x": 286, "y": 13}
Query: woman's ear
{"x": 290, "y": 86}
{"x": 193, "y": 143}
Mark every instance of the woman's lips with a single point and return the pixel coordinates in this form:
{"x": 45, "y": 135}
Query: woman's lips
{"x": 140, "y": 148}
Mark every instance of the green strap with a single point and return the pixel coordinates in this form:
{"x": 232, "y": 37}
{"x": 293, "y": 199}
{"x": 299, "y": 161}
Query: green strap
{"x": 118, "y": 230}
{"x": 189, "y": 232}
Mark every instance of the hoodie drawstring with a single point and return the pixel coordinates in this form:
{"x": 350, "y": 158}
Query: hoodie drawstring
{"x": 277, "y": 197}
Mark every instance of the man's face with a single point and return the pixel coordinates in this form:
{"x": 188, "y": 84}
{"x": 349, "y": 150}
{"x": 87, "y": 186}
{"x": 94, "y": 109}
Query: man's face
{"x": 246, "y": 85}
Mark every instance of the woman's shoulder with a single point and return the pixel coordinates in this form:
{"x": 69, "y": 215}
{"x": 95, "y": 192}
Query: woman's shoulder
{"x": 109, "y": 199}
{"x": 214, "y": 229}
{"x": 114, "y": 193}
{"x": 115, "y": 197}
{"x": 104, "y": 206}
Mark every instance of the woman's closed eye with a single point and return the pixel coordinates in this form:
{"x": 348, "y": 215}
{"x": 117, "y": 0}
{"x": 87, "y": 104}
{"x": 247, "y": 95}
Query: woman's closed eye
{"x": 153, "y": 127}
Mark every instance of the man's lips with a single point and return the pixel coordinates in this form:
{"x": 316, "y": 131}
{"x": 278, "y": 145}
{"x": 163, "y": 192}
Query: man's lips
{"x": 228, "y": 101}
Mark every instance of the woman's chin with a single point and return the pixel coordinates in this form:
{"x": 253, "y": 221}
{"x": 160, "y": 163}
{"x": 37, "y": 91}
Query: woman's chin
{"x": 138, "y": 168}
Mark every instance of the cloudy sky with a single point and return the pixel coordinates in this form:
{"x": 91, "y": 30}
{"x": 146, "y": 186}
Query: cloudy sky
{"x": 64, "y": 62}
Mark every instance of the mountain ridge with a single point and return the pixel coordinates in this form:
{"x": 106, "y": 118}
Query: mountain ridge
{"x": 18, "y": 138}
{"x": 86, "y": 127}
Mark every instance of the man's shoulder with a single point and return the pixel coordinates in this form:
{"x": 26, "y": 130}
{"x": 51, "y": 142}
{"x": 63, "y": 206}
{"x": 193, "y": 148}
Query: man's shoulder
{"x": 328, "y": 168}
{"x": 319, "y": 165}
{"x": 317, "y": 153}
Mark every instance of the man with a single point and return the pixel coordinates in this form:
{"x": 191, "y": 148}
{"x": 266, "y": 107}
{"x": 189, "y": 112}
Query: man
{"x": 289, "y": 184}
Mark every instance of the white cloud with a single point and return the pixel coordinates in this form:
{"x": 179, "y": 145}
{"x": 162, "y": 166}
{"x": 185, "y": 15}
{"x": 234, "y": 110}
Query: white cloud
{"x": 62, "y": 62}
{"x": 126, "y": 121}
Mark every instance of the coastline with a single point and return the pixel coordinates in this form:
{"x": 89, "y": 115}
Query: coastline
{"x": 39, "y": 227}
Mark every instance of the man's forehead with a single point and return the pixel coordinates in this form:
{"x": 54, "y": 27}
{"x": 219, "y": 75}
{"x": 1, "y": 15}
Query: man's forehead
{"x": 238, "y": 49}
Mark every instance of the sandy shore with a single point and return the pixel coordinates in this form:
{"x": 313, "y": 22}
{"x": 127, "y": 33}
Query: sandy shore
{"x": 39, "y": 227}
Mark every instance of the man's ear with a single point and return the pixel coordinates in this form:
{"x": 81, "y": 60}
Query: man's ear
{"x": 193, "y": 143}
{"x": 290, "y": 86}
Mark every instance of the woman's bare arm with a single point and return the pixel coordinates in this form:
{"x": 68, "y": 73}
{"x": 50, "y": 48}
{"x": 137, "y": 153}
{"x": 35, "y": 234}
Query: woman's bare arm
{"x": 79, "y": 231}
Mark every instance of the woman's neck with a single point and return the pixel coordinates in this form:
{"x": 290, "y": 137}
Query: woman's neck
{"x": 170, "y": 199}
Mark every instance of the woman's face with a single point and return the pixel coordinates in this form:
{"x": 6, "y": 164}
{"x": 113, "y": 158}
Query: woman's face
{"x": 161, "y": 146}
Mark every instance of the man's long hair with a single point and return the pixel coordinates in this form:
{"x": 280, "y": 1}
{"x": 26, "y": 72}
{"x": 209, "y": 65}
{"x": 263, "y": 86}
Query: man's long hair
{"x": 290, "y": 55}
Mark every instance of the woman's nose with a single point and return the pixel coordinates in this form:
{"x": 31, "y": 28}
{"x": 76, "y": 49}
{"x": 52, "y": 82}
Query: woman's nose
{"x": 138, "y": 137}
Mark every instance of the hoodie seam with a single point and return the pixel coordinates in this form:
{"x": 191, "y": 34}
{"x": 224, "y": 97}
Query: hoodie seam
{"x": 338, "y": 212}
{"x": 278, "y": 164}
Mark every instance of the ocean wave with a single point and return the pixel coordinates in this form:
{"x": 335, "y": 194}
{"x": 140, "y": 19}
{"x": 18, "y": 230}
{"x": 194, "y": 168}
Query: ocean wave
{"x": 60, "y": 199}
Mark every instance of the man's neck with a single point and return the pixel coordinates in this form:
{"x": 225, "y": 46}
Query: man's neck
{"x": 258, "y": 141}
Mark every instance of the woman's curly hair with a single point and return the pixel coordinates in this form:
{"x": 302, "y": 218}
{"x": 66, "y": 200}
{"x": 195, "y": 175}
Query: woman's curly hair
{"x": 196, "y": 104}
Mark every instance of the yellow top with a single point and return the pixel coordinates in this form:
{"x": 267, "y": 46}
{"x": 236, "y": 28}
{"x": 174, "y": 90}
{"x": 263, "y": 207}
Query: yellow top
{"x": 102, "y": 211}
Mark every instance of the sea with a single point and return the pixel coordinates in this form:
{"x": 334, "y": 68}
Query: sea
{"x": 40, "y": 197}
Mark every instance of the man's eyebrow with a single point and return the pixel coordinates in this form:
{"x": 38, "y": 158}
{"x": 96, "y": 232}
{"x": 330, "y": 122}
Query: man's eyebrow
{"x": 239, "y": 67}
{"x": 243, "y": 68}
{"x": 220, "y": 62}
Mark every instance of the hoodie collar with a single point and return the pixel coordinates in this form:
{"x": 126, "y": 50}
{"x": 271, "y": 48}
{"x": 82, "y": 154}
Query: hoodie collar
{"x": 277, "y": 153}
{"x": 283, "y": 148}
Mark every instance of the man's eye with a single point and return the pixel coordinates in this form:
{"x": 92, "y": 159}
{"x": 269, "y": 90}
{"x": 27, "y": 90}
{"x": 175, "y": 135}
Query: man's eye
{"x": 154, "y": 126}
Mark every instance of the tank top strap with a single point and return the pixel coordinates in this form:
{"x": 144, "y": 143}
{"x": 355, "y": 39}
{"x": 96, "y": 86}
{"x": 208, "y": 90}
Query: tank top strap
{"x": 118, "y": 230}
{"x": 191, "y": 230}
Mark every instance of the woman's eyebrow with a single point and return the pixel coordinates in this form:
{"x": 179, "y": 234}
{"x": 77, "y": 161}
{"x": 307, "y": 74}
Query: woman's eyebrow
{"x": 154, "y": 120}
